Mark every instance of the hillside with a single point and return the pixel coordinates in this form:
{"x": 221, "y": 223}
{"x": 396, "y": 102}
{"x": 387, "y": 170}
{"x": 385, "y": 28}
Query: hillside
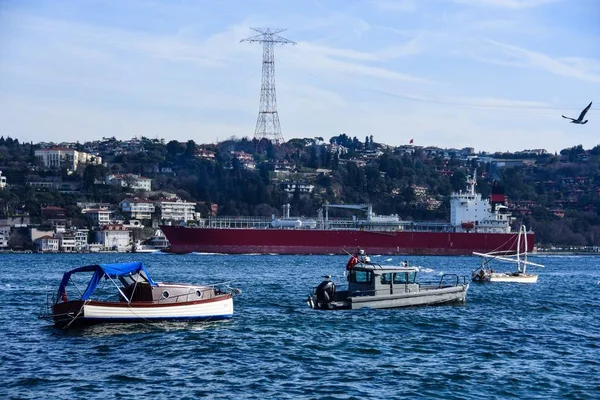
{"x": 557, "y": 195}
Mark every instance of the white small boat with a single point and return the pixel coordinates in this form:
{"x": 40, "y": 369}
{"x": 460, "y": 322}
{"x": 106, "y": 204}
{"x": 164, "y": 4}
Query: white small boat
{"x": 141, "y": 248}
{"x": 134, "y": 297}
{"x": 486, "y": 274}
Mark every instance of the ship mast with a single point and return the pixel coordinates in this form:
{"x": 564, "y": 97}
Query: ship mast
{"x": 471, "y": 183}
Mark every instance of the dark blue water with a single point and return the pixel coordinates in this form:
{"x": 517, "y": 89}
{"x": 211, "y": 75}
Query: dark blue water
{"x": 509, "y": 340}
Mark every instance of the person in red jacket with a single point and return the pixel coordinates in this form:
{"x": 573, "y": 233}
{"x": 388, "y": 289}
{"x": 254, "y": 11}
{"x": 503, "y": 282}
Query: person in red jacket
{"x": 352, "y": 262}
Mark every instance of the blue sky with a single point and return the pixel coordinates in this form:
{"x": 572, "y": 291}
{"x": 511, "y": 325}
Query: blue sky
{"x": 492, "y": 74}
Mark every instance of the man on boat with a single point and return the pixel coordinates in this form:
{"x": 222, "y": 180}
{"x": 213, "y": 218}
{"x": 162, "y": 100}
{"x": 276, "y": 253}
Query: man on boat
{"x": 364, "y": 258}
{"x": 352, "y": 261}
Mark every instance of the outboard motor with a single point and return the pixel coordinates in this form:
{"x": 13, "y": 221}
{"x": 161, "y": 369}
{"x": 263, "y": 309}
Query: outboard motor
{"x": 325, "y": 293}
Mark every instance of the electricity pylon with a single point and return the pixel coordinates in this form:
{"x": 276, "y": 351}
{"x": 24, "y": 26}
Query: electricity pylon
{"x": 267, "y": 124}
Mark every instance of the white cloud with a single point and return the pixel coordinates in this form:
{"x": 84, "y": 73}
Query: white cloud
{"x": 507, "y": 54}
{"x": 326, "y": 60}
{"x": 509, "y": 4}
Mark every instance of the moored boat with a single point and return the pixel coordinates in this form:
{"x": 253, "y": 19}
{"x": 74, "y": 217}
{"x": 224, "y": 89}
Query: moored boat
{"x": 374, "y": 286}
{"x": 133, "y": 296}
{"x": 485, "y": 273}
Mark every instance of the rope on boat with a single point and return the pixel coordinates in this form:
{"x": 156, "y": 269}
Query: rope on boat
{"x": 78, "y": 314}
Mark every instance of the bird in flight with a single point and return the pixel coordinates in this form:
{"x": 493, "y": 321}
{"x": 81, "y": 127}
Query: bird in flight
{"x": 580, "y": 119}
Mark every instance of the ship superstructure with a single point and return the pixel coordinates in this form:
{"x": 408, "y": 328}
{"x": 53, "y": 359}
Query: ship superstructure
{"x": 470, "y": 213}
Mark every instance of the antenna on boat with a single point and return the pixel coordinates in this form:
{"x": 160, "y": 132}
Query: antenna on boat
{"x": 471, "y": 182}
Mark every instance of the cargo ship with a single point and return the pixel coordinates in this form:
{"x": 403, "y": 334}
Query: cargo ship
{"x": 476, "y": 224}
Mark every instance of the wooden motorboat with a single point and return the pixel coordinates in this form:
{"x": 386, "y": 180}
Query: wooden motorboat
{"x": 133, "y": 296}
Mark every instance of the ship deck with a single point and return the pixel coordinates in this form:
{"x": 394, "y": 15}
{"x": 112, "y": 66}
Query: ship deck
{"x": 233, "y": 222}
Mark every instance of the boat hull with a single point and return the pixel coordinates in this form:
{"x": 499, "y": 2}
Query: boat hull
{"x": 316, "y": 241}
{"x": 426, "y": 296}
{"x": 78, "y": 313}
{"x": 513, "y": 278}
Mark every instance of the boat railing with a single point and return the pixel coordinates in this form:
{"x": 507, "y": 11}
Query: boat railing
{"x": 46, "y": 309}
{"x": 453, "y": 278}
{"x": 216, "y": 288}
{"x": 247, "y": 222}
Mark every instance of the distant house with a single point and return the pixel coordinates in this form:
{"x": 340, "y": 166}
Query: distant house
{"x": 137, "y": 208}
{"x": 53, "y": 212}
{"x": 4, "y": 236}
{"x": 60, "y": 157}
{"x": 132, "y": 181}
{"x": 291, "y": 186}
{"x": 46, "y": 244}
{"x": 205, "y": 154}
{"x": 177, "y": 210}
{"x": 114, "y": 237}
{"x": 67, "y": 243}
{"x": 2, "y": 181}
{"x": 242, "y": 156}
{"x": 433, "y": 204}
{"x": 99, "y": 216}
{"x": 419, "y": 190}
{"x": 81, "y": 239}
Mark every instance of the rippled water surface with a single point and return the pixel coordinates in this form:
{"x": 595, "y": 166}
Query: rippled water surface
{"x": 509, "y": 340}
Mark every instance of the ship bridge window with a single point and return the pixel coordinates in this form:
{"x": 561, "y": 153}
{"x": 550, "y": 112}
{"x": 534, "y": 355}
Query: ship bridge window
{"x": 358, "y": 276}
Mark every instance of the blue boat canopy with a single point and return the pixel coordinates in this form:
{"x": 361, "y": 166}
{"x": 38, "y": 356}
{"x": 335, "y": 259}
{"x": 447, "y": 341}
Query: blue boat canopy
{"x": 103, "y": 271}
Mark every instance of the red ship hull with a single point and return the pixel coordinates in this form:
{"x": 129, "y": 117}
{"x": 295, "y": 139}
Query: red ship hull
{"x": 315, "y": 241}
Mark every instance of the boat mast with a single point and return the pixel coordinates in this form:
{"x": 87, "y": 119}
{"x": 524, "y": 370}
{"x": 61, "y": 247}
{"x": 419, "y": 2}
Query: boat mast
{"x": 471, "y": 182}
{"x": 519, "y": 250}
{"x": 524, "y": 230}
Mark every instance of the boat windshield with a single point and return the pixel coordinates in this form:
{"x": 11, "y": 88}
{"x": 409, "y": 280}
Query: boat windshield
{"x": 399, "y": 278}
{"x": 139, "y": 277}
{"x": 404, "y": 277}
{"x": 361, "y": 276}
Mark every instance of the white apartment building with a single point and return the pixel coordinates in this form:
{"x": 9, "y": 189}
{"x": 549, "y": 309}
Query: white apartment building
{"x": 114, "y": 237}
{"x": 99, "y": 216}
{"x": 65, "y": 157}
{"x": 133, "y": 181}
{"x": 177, "y": 210}
{"x": 67, "y": 243}
{"x": 138, "y": 209}
{"x": 2, "y": 181}
{"x": 4, "y": 236}
{"x": 81, "y": 239}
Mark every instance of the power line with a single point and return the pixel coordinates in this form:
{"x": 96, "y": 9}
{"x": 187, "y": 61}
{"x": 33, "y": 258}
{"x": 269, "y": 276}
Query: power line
{"x": 435, "y": 99}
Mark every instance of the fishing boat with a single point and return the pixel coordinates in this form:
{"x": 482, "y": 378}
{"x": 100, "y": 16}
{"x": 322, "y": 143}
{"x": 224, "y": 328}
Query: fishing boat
{"x": 125, "y": 292}
{"x": 374, "y": 286}
{"x": 485, "y": 273}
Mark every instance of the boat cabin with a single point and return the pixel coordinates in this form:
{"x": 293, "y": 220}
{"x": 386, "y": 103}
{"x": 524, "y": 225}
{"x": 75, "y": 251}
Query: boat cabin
{"x": 368, "y": 280}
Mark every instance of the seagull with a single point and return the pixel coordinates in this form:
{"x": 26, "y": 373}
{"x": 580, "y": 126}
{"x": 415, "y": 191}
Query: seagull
{"x": 580, "y": 119}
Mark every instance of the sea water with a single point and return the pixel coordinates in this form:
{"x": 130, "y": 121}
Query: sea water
{"x": 509, "y": 340}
